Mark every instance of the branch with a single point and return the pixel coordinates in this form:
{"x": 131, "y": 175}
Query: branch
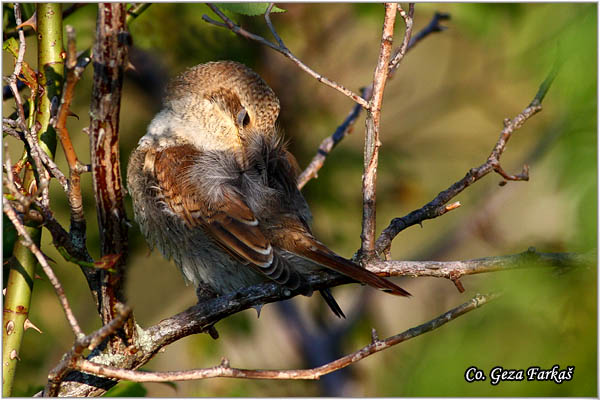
{"x": 224, "y": 370}
{"x": 437, "y": 207}
{"x": 110, "y": 60}
{"x": 433, "y": 27}
{"x": 281, "y": 48}
{"x": 401, "y": 51}
{"x": 74, "y": 71}
{"x": 372, "y": 142}
{"x": 331, "y": 141}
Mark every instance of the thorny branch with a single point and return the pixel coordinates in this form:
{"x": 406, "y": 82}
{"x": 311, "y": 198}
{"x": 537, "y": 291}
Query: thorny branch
{"x": 224, "y": 370}
{"x": 60, "y": 293}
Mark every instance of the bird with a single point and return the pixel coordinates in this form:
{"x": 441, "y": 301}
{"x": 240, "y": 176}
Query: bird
{"x": 214, "y": 188}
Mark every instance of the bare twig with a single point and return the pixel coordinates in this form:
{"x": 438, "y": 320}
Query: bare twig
{"x": 74, "y": 71}
{"x": 457, "y": 269}
{"x": 281, "y": 48}
{"x": 433, "y": 27}
{"x": 436, "y": 207}
{"x": 401, "y": 51}
{"x": 11, "y": 214}
{"x": 224, "y": 370}
{"x": 372, "y": 142}
{"x": 331, "y": 141}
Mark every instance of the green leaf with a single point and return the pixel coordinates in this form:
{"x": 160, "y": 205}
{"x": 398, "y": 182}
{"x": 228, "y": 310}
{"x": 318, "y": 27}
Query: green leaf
{"x": 249, "y": 9}
{"x": 12, "y": 46}
{"x": 127, "y": 389}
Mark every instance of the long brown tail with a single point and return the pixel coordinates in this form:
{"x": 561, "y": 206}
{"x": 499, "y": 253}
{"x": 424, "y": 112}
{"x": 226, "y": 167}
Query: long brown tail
{"x": 320, "y": 254}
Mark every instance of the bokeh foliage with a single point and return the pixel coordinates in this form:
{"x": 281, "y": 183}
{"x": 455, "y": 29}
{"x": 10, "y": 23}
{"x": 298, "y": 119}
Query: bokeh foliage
{"x": 442, "y": 114}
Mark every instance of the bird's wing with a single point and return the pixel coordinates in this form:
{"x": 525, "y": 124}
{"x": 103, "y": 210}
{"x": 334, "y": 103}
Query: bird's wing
{"x": 298, "y": 240}
{"x": 228, "y": 221}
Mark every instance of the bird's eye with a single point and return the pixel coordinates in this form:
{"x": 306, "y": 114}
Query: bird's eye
{"x": 243, "y": 119}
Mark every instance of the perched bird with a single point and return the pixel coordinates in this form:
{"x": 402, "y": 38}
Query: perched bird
{"x": 214, "y": 188}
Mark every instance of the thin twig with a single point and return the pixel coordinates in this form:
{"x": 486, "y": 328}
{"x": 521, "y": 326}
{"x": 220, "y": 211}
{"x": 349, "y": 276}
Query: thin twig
{"x": 74, "y": 71}
{"x": 436, "y": 207}
{"x": 224, "y": 370}
{"x": 281, "y": 48}
{"x": 433, "y": 27}
{"x": 372, "y": 142}
{"x": 401, "y": 51}
{"x": 330, "y": 142}
{"x": 12, "y": 215}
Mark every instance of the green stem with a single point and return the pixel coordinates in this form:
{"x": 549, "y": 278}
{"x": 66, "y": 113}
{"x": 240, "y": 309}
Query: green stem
{"x": 20, "y": 278}
{"x": 50, "y": 62}
{"x": 16, "y": 307}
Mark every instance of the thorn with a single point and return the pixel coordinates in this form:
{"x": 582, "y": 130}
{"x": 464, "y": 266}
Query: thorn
{"x": 86, "y": 130}
{"x": 31, "y": 22}
{"x": 130, "y": 67}
{"x": 212, "y": 331}
{"x": 72, "y": 114}
{"x": 36, "y": 276}
{"x": 459, "y": 285}
{"x": 29, "y": 325}
{"x": 502, "y": 183}
{"x": 374, "y": 336}
{"x": 10, "y": 327}
{"x": 258, "y": 309}
{"x": 224, "y": 362}
{"x": 453, "y": 206}
{"x": 4, "y": 292}
{"x": 13, "y": 355}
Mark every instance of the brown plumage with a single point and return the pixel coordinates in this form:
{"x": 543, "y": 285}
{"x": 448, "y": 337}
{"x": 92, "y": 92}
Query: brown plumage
{"x": 214, "y": 188}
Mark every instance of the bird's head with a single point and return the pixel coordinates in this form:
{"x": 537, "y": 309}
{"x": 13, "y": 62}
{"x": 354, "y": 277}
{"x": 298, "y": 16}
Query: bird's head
{"x": 217, "y": 106}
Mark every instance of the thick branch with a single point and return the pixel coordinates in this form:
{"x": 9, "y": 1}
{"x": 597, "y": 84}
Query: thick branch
{"x": 110, "y": 60}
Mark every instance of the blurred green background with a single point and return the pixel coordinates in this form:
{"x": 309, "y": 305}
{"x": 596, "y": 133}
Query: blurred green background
{"x": 442, "y": 114}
